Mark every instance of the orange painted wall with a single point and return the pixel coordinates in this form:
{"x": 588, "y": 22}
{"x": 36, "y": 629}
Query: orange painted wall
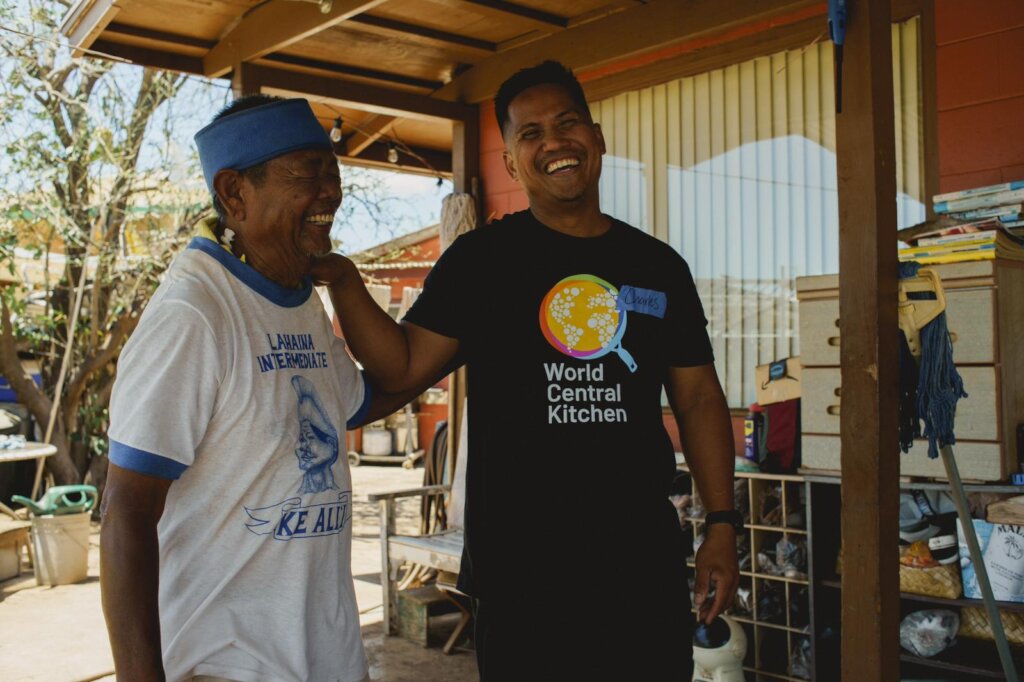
{"x": 980, "y": 92}
{"x": 501, "y": 194}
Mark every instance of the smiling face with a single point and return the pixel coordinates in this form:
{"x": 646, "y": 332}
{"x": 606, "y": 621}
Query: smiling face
{"x": 553, "y": 148}
{"x": 286, "y": 217}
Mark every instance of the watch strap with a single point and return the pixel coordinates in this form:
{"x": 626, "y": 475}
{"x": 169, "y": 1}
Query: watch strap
{"x": 728, "y": 516}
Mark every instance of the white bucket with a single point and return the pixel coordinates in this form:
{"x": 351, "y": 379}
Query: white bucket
{"x": 377, "y": 442}
{"x": 61, "y": 548}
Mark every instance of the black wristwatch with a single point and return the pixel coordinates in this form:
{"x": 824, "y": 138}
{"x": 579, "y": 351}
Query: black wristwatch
{"x": 729, "y": 516}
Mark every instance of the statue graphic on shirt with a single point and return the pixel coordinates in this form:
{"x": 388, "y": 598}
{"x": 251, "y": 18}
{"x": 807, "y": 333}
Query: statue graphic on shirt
{"x": 317, "y": 449}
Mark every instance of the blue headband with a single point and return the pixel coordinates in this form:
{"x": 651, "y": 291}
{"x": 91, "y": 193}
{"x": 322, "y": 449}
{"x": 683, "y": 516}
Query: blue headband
{"x": 252, "y": 136}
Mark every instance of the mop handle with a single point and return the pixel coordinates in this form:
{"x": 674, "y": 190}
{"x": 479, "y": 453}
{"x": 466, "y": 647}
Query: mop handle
{"x": 964, "y": 513}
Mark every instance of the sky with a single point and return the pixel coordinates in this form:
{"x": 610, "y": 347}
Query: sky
{"x": 415, "y": 203}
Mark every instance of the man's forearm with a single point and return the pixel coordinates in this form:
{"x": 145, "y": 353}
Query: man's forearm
{"x": 129, "y": 579}
{"x": 705, "y": 430}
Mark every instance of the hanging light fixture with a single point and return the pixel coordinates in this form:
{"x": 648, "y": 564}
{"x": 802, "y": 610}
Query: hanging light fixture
{"x": 392, "y": 153}
{"x": 336, "y": 131}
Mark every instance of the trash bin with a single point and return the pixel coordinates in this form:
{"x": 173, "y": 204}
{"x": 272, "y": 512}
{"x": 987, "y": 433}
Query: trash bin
{"x": 60, "y": 545}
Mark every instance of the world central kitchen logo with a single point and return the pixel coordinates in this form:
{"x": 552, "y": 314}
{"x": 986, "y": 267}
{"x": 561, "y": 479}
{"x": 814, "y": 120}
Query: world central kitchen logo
{"x": 289, "y": 520}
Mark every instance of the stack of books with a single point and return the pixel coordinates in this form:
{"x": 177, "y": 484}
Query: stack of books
{"x": 988, "y": 225}
{"x": 1002, "y": 202}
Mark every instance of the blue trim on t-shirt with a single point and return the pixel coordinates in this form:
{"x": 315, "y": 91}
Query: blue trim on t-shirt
{"x": 262, "y": 285}
{"x": 357, "y": 418}
{"x": 140, "y": 461}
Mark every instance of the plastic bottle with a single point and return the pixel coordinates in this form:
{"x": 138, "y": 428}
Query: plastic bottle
{"x": 753, "y": 423}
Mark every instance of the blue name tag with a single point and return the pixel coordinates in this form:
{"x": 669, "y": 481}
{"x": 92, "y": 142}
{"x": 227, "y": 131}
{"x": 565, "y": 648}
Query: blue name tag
{"x": 646, "y": 301}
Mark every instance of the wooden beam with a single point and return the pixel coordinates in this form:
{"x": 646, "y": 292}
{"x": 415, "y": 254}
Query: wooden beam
{"x": 359, "y": 96}
{"x": 424, "y": 34}
{"x": 367, "y": 133}
{"x": 85, "y": 20}
{"x": 868, "y": 281}
{"x": 348, "y": 70}
{"x": 632, "y": 31}
{"x": 375, "y": 156}
{"x": 117, "y": 29}
{"x": 519, "y": 41}
{"x": 275, "y": 26}
{"x": 145, "y": 56}
{"x": 545, "y": 21}
{"x": 604, "y": 10}
{"x": 708, "y": 58}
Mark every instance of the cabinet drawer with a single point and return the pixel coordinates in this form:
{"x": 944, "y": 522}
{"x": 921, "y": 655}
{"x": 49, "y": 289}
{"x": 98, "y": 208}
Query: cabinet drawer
{"x": 978, "y": 461}
{"x": 977, "y": 416}
{"x": 970, "y": 314}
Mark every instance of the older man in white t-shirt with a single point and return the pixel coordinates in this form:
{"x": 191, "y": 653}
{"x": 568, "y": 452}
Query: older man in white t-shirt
{"x": 226, "y": 543}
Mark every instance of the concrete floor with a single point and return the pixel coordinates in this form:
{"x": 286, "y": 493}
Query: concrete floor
{"x": 57, "y": 634}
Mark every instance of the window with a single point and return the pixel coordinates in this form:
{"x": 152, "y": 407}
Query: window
{"x": 736, "y": 169}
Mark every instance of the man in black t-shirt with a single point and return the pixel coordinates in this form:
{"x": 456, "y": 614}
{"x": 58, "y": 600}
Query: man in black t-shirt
{"x": 571, "y": 323}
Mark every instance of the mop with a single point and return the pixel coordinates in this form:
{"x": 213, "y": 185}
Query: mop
{"x": 922, "y": 319}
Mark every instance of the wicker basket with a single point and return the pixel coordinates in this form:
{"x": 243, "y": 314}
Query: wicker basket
{"x": 974, "y": 624}
{"x": 940, "y": 581}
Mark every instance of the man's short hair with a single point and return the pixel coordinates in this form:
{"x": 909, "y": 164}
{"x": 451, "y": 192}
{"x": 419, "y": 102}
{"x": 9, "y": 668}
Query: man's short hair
{"x": 255, "y": 174}
{"x": 545, "y": 73}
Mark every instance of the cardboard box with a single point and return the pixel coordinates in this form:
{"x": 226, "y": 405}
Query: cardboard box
{"x": 784, "y": 386}
{"x": 1002, "y": 548}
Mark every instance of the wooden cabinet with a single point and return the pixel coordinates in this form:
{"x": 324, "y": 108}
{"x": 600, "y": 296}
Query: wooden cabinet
{"x": 985, "y": 316}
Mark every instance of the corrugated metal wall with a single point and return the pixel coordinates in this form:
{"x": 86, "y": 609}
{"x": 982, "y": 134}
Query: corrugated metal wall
{"x": 736, "y": 169}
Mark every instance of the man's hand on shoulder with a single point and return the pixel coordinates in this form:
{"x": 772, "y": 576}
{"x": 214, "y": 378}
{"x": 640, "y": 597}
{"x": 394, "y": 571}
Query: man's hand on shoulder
{"x": 333, "y": 270}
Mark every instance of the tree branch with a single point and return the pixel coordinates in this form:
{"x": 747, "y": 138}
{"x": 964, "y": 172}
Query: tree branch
{"x": 103, "y": 356}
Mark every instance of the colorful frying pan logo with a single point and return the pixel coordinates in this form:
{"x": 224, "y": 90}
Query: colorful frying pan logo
{"x": 580, "y": 317}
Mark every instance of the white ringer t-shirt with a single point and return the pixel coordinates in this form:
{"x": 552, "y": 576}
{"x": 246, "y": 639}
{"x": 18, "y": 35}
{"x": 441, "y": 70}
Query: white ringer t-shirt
{"x": 238, "y": 389}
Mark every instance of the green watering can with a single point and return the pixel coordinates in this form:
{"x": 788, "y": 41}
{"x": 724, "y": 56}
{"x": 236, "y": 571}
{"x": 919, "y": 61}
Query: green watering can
{"x": 61, "y": 499}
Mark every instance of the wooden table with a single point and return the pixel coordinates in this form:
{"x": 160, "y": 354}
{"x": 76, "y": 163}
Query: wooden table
{"x": 36, "y": 451}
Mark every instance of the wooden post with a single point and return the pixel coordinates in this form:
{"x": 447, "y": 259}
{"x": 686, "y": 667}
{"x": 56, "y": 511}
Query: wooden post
{"x": 465, "y": 178}
{"x": 929, "y": 106}
{"x": 865, "y": 150}
{"x": 466, "y": 152}
{"x": 244, "y": 80}
{"x": 388, "y": 589}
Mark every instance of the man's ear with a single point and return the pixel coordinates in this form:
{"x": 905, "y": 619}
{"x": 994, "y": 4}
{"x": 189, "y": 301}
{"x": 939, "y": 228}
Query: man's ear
{"x": 600, "y": 138}
{"x": 227, "y": 184}
{"x": 510, "y": 165}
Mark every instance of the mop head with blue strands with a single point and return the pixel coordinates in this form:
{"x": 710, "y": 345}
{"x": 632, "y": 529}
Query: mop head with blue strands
{"x": 939, "y": 385}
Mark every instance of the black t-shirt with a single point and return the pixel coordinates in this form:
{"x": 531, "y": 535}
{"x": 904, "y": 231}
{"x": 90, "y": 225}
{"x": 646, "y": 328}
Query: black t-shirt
{"x": 568, "y": 342}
